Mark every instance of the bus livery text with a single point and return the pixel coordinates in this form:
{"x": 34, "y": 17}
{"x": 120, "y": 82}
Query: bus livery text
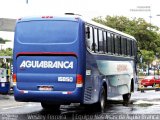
{"x": 46, "y": 64}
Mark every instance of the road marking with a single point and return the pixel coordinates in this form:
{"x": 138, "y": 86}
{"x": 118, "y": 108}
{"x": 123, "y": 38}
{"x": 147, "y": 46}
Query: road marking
{"x": 12, "y": 107}
{"x": 146, "y": 102}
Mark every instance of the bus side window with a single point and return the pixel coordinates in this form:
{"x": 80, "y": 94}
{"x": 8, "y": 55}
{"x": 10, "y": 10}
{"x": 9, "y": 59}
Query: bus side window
{"x": 128, "y": 47}
{"x": 112, "y": 44}
{"x": 87, "y": 32}
{"x": 95, "y": 43}
{"x": 105, "y": 42}
{"x": 133, "y": 48}
{"x": 130, "y": 43}
{"x": 132, "y": 51}
{"x": 89, "y": 37}
{"x": 109, "y": 42}
{"x": 121, "y": 52}
{"x": 101, "y": 48}
{"x": 123, "y": 46}
{"x": 116, "y": 44}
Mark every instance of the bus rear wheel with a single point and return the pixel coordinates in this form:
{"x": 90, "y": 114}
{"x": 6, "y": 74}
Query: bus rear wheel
{"x": 126, "y": 98}
{"x": 101, "y": 104}
{"x": 52, "y": 107}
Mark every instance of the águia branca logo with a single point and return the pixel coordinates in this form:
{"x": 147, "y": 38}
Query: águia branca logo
{"x": 47, "y": 64}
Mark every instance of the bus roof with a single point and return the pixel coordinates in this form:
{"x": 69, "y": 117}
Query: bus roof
{"x": 74, "y": 18}
{"x": 110, "y": 29}
{"x": 47, "y": 18}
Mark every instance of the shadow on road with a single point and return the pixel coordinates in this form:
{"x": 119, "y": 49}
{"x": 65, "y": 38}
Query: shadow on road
{"x": 85, "y": 109}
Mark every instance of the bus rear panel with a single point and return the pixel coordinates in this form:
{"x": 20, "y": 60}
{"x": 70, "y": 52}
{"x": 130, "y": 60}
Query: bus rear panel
{"x": 47, "y": 59}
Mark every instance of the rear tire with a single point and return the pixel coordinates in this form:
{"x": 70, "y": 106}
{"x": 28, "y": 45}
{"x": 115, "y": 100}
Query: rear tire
{"x": 50, "y": 107}
{"x": 126, "y": 98}
{"x": 101, "y": 104}
{"x": 142, "y": 91}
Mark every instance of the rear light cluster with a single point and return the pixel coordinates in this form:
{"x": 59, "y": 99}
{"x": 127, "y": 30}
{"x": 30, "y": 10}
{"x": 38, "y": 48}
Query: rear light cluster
{"x": 14, "y": 78}
{"x": 79, "y": 82}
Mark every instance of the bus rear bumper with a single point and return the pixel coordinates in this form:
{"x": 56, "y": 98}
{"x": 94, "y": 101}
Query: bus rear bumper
{"x": 4, "y": 87}
{"x": 55, "y": 97}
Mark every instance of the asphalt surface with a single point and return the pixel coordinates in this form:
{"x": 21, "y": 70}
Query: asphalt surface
{"x": 142, "y": 106}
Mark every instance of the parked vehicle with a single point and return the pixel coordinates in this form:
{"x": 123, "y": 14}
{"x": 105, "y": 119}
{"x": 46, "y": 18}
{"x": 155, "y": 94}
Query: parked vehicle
{"x": 157, "y": 80}
{"x": 150, "y": 81}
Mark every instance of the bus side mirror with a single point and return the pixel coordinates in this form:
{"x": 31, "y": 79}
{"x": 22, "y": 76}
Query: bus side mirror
{"x": 87, "y": 32}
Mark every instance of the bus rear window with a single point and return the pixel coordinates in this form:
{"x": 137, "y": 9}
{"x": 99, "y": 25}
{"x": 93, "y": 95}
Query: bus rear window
{"x": 47, "y": 31}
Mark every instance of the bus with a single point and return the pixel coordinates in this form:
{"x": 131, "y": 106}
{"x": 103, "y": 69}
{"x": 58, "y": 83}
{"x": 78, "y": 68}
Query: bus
{"x": 5, "y": 74}
{"x": 67, "y": 59}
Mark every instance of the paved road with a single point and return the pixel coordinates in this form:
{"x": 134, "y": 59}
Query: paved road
{"x": 143, "y": 105}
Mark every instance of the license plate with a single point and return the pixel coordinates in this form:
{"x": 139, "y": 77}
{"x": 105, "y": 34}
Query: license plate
{"x": 45, "y": 88}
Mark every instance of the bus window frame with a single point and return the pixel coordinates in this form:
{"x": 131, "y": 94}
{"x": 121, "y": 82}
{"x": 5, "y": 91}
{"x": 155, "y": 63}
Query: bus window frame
{"x": 113, "y": 43}
{"x": 100, "y": 31}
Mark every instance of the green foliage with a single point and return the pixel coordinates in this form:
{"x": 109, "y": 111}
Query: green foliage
{"x": 7, "y": 52}
{"x": 148, "y": 56}
{"x": 145, "y": 33}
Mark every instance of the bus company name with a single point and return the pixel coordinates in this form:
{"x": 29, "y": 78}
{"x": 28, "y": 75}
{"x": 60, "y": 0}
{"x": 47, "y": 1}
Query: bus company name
{"x": 121, "y": 67}
{"x": 47, "y": 64}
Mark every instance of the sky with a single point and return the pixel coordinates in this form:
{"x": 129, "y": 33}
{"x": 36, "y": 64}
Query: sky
{"x": 87, "y": 8}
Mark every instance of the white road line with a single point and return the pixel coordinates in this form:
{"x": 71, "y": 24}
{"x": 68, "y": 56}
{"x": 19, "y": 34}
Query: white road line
{"x": 12, "y": 107}
{"x": 147, "y": 102}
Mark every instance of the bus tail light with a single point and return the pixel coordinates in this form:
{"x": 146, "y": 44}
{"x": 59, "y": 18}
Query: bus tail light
{"x": 79, "y": 81}
{"x": 14, "y": 78}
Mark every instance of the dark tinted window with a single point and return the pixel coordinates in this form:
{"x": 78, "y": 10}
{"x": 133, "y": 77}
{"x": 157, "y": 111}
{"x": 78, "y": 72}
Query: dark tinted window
{"x": 109, "y": 42}
{"x": 47, "y": 31}
{"x": 112, "y": 43}
{"x": 89, "y": 41}
{"x": 95, "y": 40}
{"x": 105, "y": 41}
{"x": 101, "y": 45}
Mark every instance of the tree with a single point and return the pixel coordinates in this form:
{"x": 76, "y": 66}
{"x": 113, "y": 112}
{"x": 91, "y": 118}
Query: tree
{"x": 2, "y": 41}
{"x": 148, "y": 56}
{"x": 145, "y": 33}
{"x": 7, "y": 52}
